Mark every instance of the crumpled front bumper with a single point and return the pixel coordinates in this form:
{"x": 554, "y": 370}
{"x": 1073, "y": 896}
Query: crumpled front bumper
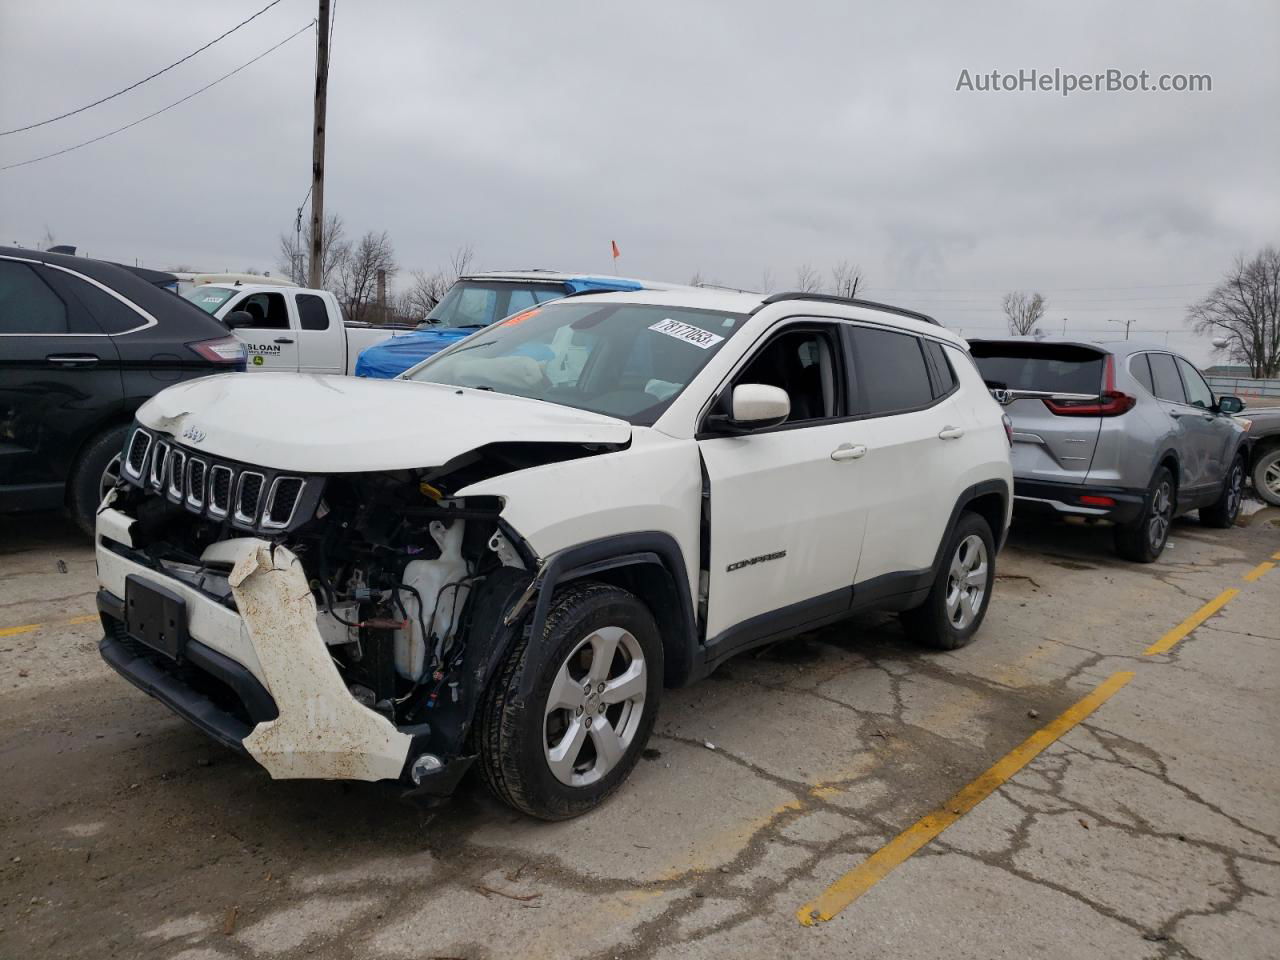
{"x": 258, "y": 678}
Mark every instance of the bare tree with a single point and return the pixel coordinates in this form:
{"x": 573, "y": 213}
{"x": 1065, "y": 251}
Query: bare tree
{"x": 428, "y": 289}
{"x": 1023, "y": 311}
{"x": 846, "y": 279}
{"x": 697, "y": 279}
{"x": 807, "y": 279}
{"x": 358, "y": 275}
{"x": 1243, "y": 311}
{"x": 766, "y": 280}
{"x": 48, "y": 240}
{"x": 291, "y": 260}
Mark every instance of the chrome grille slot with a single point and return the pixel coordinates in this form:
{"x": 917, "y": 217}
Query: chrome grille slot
{"x": 248, "y": 496}
{"x": 220, "y": 486}
{"x": 282, "y": 501}
{"x": 158, "y": 463}
{"x": 196, "y": 470}
{"x": 177, "y": 472}
{"x": 139, "y": 447}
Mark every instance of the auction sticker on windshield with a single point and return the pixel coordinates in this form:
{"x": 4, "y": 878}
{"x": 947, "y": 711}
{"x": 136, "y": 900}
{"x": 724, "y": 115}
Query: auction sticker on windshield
{"x": 687, "y": 332}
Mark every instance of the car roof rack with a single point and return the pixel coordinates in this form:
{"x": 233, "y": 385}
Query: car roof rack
{"x": 848, "y": 301}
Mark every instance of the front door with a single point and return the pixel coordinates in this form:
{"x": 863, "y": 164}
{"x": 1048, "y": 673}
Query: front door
{"x": 786, "y": 518}
{"x": 271, "y": 340}
{"x": 1210, "y": 431}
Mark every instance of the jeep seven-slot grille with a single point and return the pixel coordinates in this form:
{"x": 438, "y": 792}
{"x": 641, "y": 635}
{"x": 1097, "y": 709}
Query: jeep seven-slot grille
{"x": 248, "y": 497}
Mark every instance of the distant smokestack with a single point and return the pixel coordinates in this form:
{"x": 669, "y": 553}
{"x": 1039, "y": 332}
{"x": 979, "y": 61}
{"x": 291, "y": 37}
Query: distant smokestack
{"x": 382, "y": 296}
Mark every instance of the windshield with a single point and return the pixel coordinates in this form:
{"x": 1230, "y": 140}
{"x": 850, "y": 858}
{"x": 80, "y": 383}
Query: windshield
{"x": 475, "y": 303}
{"x": 1048, "y": 367}
{"x": 627, "y": 360}
{"x": 209, "y": 299}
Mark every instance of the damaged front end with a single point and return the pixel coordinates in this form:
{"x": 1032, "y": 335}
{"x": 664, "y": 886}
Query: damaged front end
{"x": 340, "y": 626}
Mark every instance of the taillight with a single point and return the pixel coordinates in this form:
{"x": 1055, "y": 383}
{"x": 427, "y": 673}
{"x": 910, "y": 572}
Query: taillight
{"x": 1109, "y": 403}
{"x": 1008, "y": 428}
{"x": 224, "y": 350}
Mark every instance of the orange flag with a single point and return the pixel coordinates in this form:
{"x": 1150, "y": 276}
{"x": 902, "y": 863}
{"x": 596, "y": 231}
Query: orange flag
{"x": 616, "y": 252}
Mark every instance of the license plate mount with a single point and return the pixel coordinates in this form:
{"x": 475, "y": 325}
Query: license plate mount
{"x": 155, "y": 617}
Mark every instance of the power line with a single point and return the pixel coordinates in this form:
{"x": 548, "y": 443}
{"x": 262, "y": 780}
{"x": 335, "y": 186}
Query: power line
{"x": 134, "y": 86}
{"x": 58, "y": 153}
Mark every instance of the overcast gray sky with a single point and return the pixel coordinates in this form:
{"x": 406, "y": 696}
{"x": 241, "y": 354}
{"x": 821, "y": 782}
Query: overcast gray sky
{"x": 726, "y": 138}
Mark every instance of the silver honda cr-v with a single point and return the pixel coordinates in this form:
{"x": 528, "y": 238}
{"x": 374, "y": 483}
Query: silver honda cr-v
{"x": 1116, "y": 431}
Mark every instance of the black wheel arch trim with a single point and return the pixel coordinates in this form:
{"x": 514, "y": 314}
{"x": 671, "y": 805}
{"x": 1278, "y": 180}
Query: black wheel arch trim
{"x": 648, "y": 548}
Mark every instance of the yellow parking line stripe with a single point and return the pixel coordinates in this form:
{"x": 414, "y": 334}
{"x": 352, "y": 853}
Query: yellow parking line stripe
{"x": 29, "y": 627}
{"x": 1170, "y": 639}
{"x": 1259, "y": 570}
{"x": 871, "y": 871}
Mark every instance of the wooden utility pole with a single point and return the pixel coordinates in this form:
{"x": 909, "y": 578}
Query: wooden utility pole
{"x": 317, "y": 147}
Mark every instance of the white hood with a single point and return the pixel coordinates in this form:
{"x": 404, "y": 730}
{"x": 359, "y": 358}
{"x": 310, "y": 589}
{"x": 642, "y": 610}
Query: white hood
{"x": 333, "y": 424}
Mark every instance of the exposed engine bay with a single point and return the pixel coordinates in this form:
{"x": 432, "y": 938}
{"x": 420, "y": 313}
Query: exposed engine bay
{"x": 411, "y": 585}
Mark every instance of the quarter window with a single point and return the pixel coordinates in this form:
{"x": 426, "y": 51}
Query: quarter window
{"x": 1141, "y": 371}
{"x": 1164, "y": 374}
{"x": 944, "y": 378}
{"x": 312, "y": 313}
{"x": 892, "y": 372}
{"x": 1198, "y": 392}
{"x": 27, "y": 305}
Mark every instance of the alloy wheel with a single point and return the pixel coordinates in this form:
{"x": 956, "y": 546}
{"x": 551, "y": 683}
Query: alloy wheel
{"x": 595, "y": 706}
{"x": 967, "y": 581}
{"x": 1236, "y": 491}
{"x": 1161, "y": 516}
{"x": 1271, "y": 477}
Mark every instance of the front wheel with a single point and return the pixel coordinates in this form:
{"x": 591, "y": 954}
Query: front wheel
{"x": 94, "y": 474}
{"x": 1266, "y": 476}
{"x": 956, "y": 604}
{"x": 1226, "y": 508}
{"x": 576, "y": 738}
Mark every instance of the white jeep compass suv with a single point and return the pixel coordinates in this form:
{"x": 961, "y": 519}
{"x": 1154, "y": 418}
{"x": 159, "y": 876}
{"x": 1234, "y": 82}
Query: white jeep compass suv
{"x": 502, "y": 557}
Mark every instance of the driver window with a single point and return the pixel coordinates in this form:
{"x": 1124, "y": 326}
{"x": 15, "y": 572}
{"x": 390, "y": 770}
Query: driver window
{"x": 1198, "y": 392}
{"x": 268, "y": 310}
{"x": 805, "y": 363}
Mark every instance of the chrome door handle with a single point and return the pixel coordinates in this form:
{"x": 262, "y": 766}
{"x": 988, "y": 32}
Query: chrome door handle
{"x": 849, "y": 451}
{"x": 950, "y": 433}
{"x": 73, "y": 360}
{"x": 283, "y": 340}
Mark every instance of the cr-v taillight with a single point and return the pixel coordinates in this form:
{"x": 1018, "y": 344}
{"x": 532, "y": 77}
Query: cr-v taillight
{"x": 224, "y": 350}
{"x": 1008, "y": 428}
{"x": 1109, "y": 403}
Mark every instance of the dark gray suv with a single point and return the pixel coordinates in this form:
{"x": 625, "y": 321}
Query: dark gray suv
{"x": 1117, "y": 431}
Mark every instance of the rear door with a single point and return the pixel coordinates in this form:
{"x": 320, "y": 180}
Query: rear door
{"x": 272, "y": 339}
{"x": 322, "y": 346}
{"x": 59, "y": 378}
{"x": 1049, "y": 442}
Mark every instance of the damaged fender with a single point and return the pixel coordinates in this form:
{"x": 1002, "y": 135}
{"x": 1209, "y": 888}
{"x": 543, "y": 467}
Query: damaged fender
{"x": 322, "y": 731}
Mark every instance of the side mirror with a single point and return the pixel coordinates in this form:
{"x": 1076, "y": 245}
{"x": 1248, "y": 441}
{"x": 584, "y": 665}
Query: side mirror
{"x": 1230, "y": 404}
{"x": 754, "y": 406}
{"x": 237, "y": 319}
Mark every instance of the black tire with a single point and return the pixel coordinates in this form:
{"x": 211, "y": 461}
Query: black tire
{"x": 1222, "y": 512}
{"x": 934, "y": 623}
{"x": 513, "y": 734}
{"x": 84, "y": 487}
{"x": 1266, "y": 476}
{"x": 1142, "y": 540}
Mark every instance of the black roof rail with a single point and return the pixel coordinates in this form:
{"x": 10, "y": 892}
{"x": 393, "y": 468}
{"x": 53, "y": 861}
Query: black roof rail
{"x": 848, "y": 301}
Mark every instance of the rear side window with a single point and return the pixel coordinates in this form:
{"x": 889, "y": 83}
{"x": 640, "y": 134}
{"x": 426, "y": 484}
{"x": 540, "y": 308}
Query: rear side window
{"x": 27, "y": 305}
{"x": 892, "y": 372}
{"x": 312, "y": 313}
{"x": 1141, "y": 371}
{"x": 944, "y": 378}
{"x": 112, "y": 315}
{"x": 1164, "y": 374}
{"x": 1198, "y": 392}
{"x": 1048, "y": 367}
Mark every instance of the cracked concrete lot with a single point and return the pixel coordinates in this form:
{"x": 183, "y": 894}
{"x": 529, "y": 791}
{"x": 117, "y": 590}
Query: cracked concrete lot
{"x": 1151, "y": 829}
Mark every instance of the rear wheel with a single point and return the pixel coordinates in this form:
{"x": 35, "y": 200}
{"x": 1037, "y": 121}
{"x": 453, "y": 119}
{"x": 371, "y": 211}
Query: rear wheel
{"x": 957, "y": 603}
{"x": 94, "y": 474}
{"x": 1226, "y": 508}
{"x": 1266, "y": 476}
{"x": 576, "y": 738}
{"x": 1143, "y": 539}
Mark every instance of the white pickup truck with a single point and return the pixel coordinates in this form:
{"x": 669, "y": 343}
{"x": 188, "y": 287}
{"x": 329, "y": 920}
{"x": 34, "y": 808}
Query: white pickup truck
{"x": 286, "y": 328}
